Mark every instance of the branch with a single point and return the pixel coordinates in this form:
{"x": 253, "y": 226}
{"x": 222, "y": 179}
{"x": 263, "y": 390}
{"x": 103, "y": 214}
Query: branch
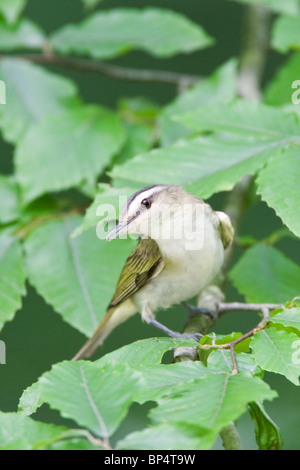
{"x": 255, "y": 42}
{"x": 111, "y": 71}
{"x": 231, "y": 438}
{"x": 264, "y": 308}
{"x": 236, "y": 306}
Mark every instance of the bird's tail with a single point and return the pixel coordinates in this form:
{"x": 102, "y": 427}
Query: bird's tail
{"x": 113, "y": 317}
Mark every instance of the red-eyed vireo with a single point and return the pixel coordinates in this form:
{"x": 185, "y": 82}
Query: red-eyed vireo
{"x": 180, "y": 252}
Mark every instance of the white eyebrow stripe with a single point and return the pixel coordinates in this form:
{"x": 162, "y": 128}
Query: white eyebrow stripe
{"x": 145, "y": 193}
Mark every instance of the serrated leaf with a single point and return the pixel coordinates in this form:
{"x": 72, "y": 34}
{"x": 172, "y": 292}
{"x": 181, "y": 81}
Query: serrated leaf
{"x": 23, "y": 433}
{"x": 103, "y": 402}
{"x": 11, "y": 9}
{"x": 213, "y": 401}
{"x": 278, "y": 185}
{"x": 273, "y": 351}
{"x": 139, "y": 356}
{"x": 267, "y": 433}
{"x": 22, "y": 35}
{"x": 47, "y": 159}
{"x": 30, "y": 400}
{"x": 168, "y": 436}
{"x": 77, "y": 276}
{"x": 12, "y": 276}
{"x": 286, "y": 33}
{"x": 289, "y": 317}
{"x": 204, "y": 165}
{"x": 218, "y": 88}
{"x": 159, "y": 379}
{"x": 264, "y": 274}
{"x": 144, "y": 352}
{"x": 145, "y": 357}
{"x": 247, "y": 118}
{"x": 9, "y": 208}
{"x": 153, "y": 30}
{"x": 31, "y": 93}
{"x": 279, "y": 90}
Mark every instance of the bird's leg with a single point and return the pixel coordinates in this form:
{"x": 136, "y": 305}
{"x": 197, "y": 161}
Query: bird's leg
{"x": 199, "y": 311}
{"x": 174, "y": 334}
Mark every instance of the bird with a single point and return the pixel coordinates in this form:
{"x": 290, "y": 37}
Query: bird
{"x": 181, "y": 248}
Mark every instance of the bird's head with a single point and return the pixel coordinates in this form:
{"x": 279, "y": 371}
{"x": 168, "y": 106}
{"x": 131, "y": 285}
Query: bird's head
{"x": 149, "y": 211}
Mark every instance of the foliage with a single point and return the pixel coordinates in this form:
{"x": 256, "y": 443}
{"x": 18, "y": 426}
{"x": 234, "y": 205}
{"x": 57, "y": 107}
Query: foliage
{"x": 206, "y": 139}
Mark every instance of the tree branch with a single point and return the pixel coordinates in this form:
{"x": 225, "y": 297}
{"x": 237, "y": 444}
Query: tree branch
{"x": 231, "y": 438}
{"x": 111, "y": 71}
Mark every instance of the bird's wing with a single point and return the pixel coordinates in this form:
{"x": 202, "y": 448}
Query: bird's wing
{"x": 142, "y": 265}
{"x": 225, "y": 229}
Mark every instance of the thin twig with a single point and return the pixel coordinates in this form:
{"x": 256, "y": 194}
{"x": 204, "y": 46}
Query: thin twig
{"x": 112, "y": 71}
{"x": 231, "y": 345}
{"x": 237, "y": 306}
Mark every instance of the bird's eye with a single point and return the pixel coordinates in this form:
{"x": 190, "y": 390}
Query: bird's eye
{"x": 146, "y": 203}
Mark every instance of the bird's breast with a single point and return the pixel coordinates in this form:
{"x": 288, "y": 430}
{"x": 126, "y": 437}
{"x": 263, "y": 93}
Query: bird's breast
{"x": 188, "y": 270}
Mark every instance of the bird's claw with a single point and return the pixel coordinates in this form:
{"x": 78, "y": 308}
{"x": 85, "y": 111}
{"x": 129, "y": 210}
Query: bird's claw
{"x": 199, "y": 310}
{"x": 195, "y": 336}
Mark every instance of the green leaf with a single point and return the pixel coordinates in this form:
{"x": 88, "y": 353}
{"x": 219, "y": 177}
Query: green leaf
{"x": 161, "y": 378}
{"x": 23, "y": 35}
{"x": 221, "y": 164}
{"x": 23, "y": 433}
{"x": 145, "y": 357}
{"x": 288, "y": 6}
{"x": 32, "y": 93}
{"x": 145, "y": 352}
{"x": 138, "y": 140}
{"x": 264, "y": 274}
{"x": 11, "y": 9}
{"x": 9, "y": 209}
{"x": 267, "y": 433}
{"x": 211, "y": 402}
{"x": 273, "y": 351}
{"x": 279, "y": 90}
{"x": 77, "y": 276}
{"x": 103, "y": 402}
{"x": 289, "y": 317}
{"x": 48, "y": 160}
{"x": 286, "y": 33}
{"x": 278, "y": 185}
{"x": 218, "y": 88}
{"x": 220, "y": 360}
{"x": 246, "y": 118}
{"x": 173, "y": 436}
{"x": 30, "y": 400}
{"x": 12, "y": 276}
{"x": 107, "y": 197}
{"x": 139, "y": 356}
{"x": 153, "y": 30}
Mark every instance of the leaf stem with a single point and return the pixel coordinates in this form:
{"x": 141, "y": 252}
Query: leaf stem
{"x": 112, "y": 71}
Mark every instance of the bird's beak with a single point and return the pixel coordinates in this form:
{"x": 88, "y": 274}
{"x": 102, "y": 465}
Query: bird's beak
{"x": 118, "y": 230}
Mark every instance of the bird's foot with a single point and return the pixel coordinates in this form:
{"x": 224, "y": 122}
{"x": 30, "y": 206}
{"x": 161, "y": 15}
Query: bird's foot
{"x": 199, "y": 311}
{"x": 175, "y": 334}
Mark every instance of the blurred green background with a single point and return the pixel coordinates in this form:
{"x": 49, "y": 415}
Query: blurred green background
{"x": 38, "y": 337}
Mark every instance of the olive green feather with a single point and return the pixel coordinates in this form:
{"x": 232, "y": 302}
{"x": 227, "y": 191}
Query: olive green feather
{"x": 143, "y": 264}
